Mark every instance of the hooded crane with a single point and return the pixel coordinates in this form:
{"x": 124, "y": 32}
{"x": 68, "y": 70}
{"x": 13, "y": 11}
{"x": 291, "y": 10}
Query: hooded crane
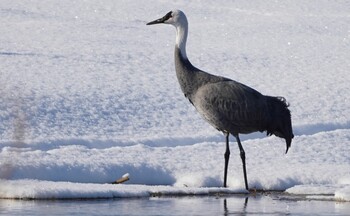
{"x": 229, "y": 106}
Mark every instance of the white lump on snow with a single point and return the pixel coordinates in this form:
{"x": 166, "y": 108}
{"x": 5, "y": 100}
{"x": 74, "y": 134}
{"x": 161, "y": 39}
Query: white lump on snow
{"x": 89, "y": 93}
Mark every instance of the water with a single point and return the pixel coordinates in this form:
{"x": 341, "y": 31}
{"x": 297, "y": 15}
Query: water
{"x": 272, "y": 204}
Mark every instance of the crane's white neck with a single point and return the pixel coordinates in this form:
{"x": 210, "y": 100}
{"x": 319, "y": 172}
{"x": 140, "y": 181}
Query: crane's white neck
{"x": 181, "y": 35}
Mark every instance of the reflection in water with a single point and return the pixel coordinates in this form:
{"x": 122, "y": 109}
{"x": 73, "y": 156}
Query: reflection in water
{"x": 266, "y": 204}
{"x": 240, "y": 211}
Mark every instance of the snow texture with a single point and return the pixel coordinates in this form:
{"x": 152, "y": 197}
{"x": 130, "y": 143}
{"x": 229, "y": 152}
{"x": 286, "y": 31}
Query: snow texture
{"x": 88, "y": 93}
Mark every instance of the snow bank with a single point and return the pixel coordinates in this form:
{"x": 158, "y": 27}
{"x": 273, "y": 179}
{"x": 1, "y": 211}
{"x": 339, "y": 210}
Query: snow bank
{"x": 33, "y": 189}
{"x": 339, "y": 192}
{"x": 322, "y": 192}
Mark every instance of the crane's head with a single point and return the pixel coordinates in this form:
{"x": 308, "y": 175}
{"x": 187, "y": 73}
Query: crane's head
{"x": 174, "y": 17}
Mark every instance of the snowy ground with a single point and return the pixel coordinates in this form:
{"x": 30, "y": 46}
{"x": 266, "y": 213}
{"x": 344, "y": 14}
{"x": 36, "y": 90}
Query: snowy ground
{"x": 88, "y": 92}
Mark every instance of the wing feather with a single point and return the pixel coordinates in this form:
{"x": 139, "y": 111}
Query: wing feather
{"x": 231, "y": 106}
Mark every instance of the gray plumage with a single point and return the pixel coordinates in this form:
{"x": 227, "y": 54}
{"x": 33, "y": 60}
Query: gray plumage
{"x": 229, "y": 106}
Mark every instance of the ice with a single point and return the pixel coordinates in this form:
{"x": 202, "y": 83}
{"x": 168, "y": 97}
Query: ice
{"x": 88, "y": 93}
{"x": 34, "y": 189}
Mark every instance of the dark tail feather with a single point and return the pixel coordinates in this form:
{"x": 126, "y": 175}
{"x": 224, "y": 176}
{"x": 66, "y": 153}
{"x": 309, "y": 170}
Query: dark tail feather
{"x": 281, "y": 123}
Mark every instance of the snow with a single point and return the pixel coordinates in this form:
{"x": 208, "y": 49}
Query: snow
{"x": 89, "y": 93}
{"x": 35, "y": 189}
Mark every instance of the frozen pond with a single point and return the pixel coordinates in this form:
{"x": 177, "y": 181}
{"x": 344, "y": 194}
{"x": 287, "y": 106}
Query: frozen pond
{"x": 272, "y": 204}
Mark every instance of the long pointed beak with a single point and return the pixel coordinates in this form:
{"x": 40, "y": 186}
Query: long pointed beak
{"x": 157, "y": 21}
{"x": 161, "y": 20}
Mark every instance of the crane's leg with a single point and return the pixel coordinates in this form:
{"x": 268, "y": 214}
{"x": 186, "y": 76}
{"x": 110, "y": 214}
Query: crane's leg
{"x": 227, "y": 157}
{"x": 243, "y": 161}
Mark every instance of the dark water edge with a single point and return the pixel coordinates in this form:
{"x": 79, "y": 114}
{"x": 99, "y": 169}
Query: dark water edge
{"x": 252, "y": 204}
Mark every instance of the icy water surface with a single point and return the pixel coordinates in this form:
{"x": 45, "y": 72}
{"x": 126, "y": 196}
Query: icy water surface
{"x": 272, "y": 204}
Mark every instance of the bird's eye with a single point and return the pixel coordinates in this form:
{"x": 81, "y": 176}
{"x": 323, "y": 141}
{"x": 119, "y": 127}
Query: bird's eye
{"x": 169, "y": 15}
